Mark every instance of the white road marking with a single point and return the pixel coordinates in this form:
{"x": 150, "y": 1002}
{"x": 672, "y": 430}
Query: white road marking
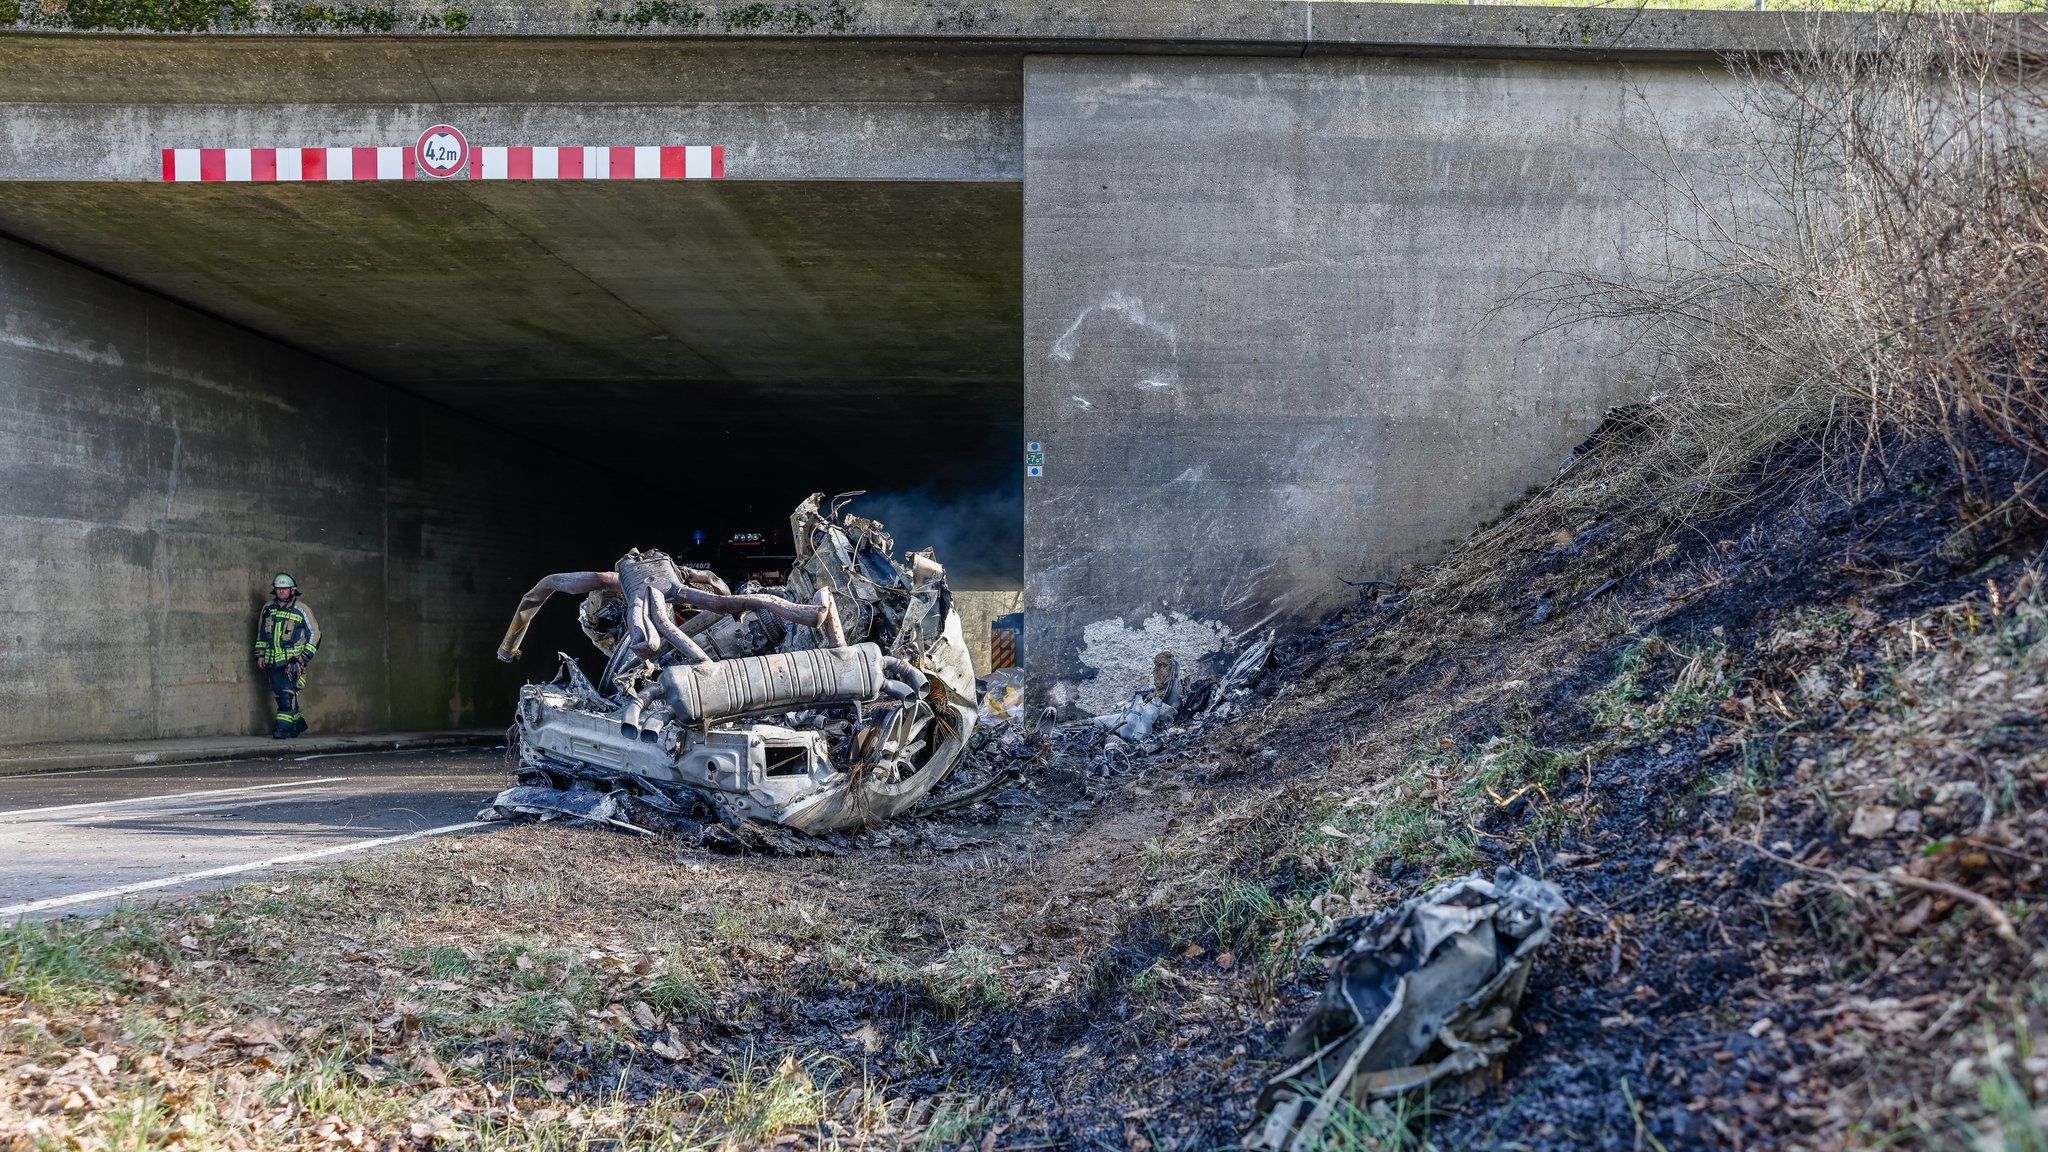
{"x": 383, "y": 752}
{"x": 122, "y": 768}
{"x": 232, "y": 869}
{"x": 169, "y": 797}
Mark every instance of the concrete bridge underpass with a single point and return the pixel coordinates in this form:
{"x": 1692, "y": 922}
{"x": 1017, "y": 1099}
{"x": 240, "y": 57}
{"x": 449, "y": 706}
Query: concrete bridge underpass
{"x": 1233, "y": 267}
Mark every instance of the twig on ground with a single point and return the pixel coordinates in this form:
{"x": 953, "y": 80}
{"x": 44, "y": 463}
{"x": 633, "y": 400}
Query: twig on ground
{"x": 2000, "y": 922}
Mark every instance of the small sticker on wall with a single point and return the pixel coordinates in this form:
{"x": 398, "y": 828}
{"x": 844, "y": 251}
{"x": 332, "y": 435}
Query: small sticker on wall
{"x": 1034, "y": 459}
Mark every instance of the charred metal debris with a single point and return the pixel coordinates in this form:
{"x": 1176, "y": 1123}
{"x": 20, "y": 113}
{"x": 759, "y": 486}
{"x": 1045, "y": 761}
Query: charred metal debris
{"x": 831, "y": 702}
{"x": 1422, "y": 999}
{"x": 1174, "y": 709}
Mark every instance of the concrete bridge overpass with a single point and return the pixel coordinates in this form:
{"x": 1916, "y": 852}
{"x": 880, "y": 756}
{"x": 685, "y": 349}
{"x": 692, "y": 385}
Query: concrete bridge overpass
{"x": 1233, "y": 265}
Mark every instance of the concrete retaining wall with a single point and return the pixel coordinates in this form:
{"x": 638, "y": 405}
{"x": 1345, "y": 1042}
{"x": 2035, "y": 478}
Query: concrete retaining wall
{"x": 1262, "y": 348}
{"x": 156, "y": 467}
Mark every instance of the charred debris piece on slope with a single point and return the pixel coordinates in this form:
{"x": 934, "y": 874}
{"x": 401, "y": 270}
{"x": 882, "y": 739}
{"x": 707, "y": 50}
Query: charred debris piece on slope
{"x": 1172, "y": 712}
{"x": 1421, "y": 998}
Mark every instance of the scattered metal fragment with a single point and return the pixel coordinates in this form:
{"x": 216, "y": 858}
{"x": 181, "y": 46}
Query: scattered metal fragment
{"x": 1245, "y": 670}
{"x": 1175, "y": 697}
{"x": 577, "y": 802}
{"x": 1141, "y": 713}
{"x": 1423, "y": 995}
{"x": 994, "y": 783}
{"x": 831, "y": 702}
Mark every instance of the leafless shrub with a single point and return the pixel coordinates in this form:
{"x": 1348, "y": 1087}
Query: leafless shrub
{"x": 1877, "y": 260}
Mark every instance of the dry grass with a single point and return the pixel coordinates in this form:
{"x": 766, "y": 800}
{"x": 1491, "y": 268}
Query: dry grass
{"x": 1873, "y": 260}
{"x": 361, "y": 1006}
{"x": 445, "y": 995}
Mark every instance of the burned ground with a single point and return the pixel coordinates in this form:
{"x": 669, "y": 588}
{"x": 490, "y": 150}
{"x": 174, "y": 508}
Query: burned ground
{"x": 1718, "y": 731}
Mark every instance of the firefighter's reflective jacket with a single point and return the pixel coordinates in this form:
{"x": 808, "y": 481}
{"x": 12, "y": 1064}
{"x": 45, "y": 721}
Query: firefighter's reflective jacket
{"x": 286, "y": 632}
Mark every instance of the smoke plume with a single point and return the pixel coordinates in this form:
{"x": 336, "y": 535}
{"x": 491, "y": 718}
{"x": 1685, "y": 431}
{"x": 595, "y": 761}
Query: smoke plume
{"x": 978, "y": 536}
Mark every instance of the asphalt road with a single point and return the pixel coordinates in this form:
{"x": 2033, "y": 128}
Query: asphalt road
{"x": 80, "y": 842}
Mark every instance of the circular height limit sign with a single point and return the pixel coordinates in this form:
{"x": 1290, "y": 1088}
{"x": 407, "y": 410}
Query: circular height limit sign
{"x": 441, "y": 152}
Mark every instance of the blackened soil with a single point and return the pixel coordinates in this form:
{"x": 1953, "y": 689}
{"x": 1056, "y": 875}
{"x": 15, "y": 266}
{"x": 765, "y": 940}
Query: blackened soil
{"x": 1668, "y": 1010}
{"x": 1651, "y": 1018}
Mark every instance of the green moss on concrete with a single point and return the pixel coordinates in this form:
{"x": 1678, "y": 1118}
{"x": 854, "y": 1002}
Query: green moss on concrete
{"x": 760, "y": 17}
{"x": 666, "y": 13}
{"x": 135, "y": 15}
{"x": 219, "y": 16}
{"x": 352, "y": 18}
{"x": 757, "y": 16}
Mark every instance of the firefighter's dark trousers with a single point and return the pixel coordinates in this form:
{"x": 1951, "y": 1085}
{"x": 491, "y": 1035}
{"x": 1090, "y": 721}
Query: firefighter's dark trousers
{"x": 285, "y": 682}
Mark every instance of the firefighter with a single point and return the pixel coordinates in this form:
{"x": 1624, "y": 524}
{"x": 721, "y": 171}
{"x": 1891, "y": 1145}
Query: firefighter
{"x": 286, "y": 638}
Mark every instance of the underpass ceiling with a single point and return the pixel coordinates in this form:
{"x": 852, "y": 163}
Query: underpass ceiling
{"x": 824, "y": 321}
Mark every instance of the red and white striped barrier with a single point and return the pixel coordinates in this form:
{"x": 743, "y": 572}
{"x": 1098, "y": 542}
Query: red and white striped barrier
{"x": 664, "y": 162}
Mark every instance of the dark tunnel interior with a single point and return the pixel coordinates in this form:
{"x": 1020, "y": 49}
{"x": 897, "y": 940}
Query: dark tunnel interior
{"x": 705, "y": 353}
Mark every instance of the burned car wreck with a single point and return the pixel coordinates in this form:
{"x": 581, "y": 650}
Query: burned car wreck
{"x": 833, "y": 701}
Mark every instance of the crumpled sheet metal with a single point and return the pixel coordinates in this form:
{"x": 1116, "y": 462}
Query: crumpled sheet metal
{"x": 578, "y": 802}
{"x": 1422, "y": 995}
{"x": 830, "y": 703}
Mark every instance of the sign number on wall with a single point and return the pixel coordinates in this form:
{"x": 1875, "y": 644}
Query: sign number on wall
{"x": 441, "y": 152}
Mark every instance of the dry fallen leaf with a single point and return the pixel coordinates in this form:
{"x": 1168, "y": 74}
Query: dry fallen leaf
{"x": 1872, "y": 820}
{"x": 262, "y": 1032}
{"x": 431, "y": 1068}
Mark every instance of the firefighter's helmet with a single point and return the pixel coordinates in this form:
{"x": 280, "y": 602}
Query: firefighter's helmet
{"x": 284, "y": 580}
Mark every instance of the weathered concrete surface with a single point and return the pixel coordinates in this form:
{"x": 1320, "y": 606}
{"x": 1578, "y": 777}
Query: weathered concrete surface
{"x": 484, "y": 71}
{"x": 772, "y": 141}
{"x": 1292, "y": 27}
{"x": 101, "y": 108}
{"x": 537, "y": 280}
{"x": 1261, "y": 345}
{"x": 156, "y": 467}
